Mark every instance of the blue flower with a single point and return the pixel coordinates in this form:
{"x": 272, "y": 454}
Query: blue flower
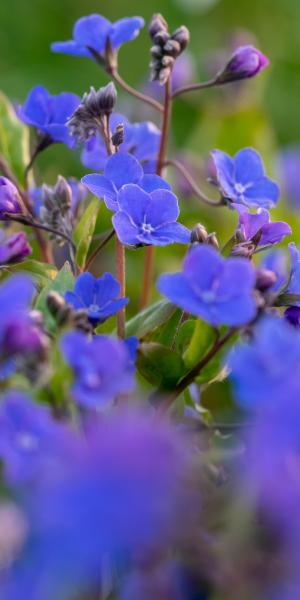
{"x": 148, "y": 218}
{"x": 100, "y": 297}
{"x": 242, "y": 179}
{"x": 276, "y": 260}
{"x": 121, "y": 169}
{"x": 140, "y": 139}
{"x": 259, "y": 223}
{"x": 103, "y": 368}
{"x": 218, "y": 290}
{"x": 93, "y": 32}
{"x": 49, "y": 114}
{"x": 266, "y": 369}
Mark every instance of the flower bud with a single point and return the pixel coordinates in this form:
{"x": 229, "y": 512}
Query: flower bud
{"x": 265, "y": 279}
{"x": 182, "y": 36}
{"x": 10, "y": 201}
{"x": 157, "y": 23}
{"x": 245, "y": 249}
{"x": 212, "y": 240}
{"x": 246, "y": 62}
{"x": 161, "y": 38}
{"x": 156, "y": 51}
{"x": 118, "y": 136}
{"x": 62, "y": 193}
{"x": 199, "y": 234}
{"x": 14, "y": 249}
{"x": 172, "y": 48}
{"x": 85, "y": 121}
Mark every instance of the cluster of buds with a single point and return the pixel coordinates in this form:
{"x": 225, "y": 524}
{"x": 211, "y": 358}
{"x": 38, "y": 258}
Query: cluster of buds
{"x": 166, "y": 48}
{"x": 199, "y": 235}
{"x": 56, "y": 209}
{"x": 90, "y": 116}
{"x": 66, "y": 316}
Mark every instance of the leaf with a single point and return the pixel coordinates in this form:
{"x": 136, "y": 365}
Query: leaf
{"x": 40, "y": 272}
{"x": 150, "y": 318}
{"x": 14, "y": 139}
{"x": 202, "y": 339}
{"x": 63, "y": 281}
{"x": 287, "y": 299}
{"x": 160, "y": 365}
{"x": 84, "y": 231}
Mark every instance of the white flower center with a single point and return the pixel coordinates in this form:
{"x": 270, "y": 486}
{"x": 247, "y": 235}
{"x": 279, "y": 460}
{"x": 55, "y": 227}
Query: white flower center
{"x": 94, "y": 308}
{"x": 208, "y": 297}
{"x": 240, "y": 188}
{"x": 27, "y": 441}
{"x": 147, "y": 228}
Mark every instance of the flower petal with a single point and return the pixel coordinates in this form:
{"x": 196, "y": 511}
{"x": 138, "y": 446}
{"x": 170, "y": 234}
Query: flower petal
{"x": 126, "y": 231}
{"x": 248, "y": 166}
{"x": 150, "y": 183}
{"x": 135, "y": 202}
{"x": 264, "y": 193}
{"x": 171, "y": 232}
{"x": 85, "y": 288}
{"x": 123, "y": 168}
{"x": 35, "y": 111}
{"x": 102, "y": 188}
{"x": 163, "y": 208}
{"x": 74, "y": 300}
{"x": 202, "y": 267}
{"x": 225, "y": 172}
{"x": 106, "y": 288}
{"x": 125, "y": 30}
{"x": 92, "y": 31}
{"x": 273, "y": 233}
{"x": 70, "y": 47}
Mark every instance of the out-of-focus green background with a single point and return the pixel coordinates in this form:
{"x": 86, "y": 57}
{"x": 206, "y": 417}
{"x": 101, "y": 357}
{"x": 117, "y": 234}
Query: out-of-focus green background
{"x": 263, "y": 113}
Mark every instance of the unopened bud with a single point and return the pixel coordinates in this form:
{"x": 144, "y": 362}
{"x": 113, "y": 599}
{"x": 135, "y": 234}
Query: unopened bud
{"x": 182, "y": 36}
{"x": 118, "y": 136}
{"x": 161, "y": 38}
{"x": 63, "y": 194}
{"x": 55, "y": 302}
{"x": 156, "y": 51}
{"x": 167, "y": 61}
{"x": 199, "y": 234}
{"x": 84, "y": 122}
{"x": 164, "y": 75}
{"x": 265, "y": 279}
{"x": 172, "y": 48}
{"x": 157, "y": 23}
{"x": 212, "y": 240}
{"x": 244, "y": 249}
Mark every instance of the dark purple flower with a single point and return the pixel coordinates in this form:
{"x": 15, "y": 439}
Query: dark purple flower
{"x": 14, "y": 248}
{"x": 276, "y": 260}
{"x": 23, "y": 336}
{"x": 218, "y": 290}
{"x": 266, "y": 369}
{"x": 289, "y": 170}
{"x": 140, "y": 139}
{"x": 242, "y": 179}
{"x": 148, "y": 218}
{"x": 245, "y": 62}
{"x": 93, "y": 32}
{"x": 250, "y": 225}
{"x": 121, "y": 169}
{"x": 102, "y": 368}
{"x": 10, "y": 201}
{"x": 49, "y": 114}
{"x": 99, "y": 297}
{"x": 292, "y": 315}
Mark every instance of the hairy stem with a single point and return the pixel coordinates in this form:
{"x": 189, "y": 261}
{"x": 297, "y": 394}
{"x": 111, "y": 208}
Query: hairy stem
{"x": 192, "y": 183}
{"x": 28, "y": 222}
{"x": 133, "y": 92}
{"x": 149, "y": 252}
{"x": 95, "y": 253}
{"x": 195, "y": 86}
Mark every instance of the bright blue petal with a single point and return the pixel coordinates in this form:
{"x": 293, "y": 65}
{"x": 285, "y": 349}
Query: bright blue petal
{"x": 163, "y": 208}
{"x": 62, "y": 107}
{"x": 112, "y": 308}
{"x": 102, "y": 188}
{"x": 123, "y": 168}
{"x": 273, "y": 233}
{"x": 236, "y": 277}
{"x": 35, "y": 111}
{"x": 125, "y": 30}
{"x": 85, "y": 288}
{"x": 237, "y": 311}
{"x": 225, "y": 172}
{"x": 126, "y": 231}
{"x": 59, "y": 133}
{"x": 178, "y": 290}
{"x": 71, "y": 48}
{"x": 106, "y": 289}
{"x": 74, "y": 300}
{"x": 202, "y": 267}
{"x": 172, "y": 232}
{"x": 150, "y": 183}
{"x": 92, "y": 31}
{"x": 135, "y": 202}
{"x": 250, "y": 224}
{"x": 248, "y": 166}
{"x": 264, "y": 193}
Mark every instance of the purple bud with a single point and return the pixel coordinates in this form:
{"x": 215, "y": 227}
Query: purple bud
{"x": 292, "y": 315}
{"x": 245, "y": 62}
{"x": 24, "y": 336}
{"x": 10, "y": 201}
{"x": 265, "y": 279}
{"x": 14, "y": 249}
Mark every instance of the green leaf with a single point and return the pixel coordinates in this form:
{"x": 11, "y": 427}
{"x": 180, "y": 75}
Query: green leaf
{"x": 287, "y": 299}
{"x": 84, "y": 231}
{"x": 202, "y": 339}
{"x": 63, "y": 282}
{"x": 160, "y": 365}
{"x": 42, "y": 273}
{"x": 149, "y": 319}
{"x": 14, "y": 139}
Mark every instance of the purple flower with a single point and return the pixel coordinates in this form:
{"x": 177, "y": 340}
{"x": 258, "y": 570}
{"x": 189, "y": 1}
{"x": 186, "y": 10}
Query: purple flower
{"x": 292, "y": 315}
{"x": 102, "y": 368}
{"x": 259, "y": 371}
{"x": 242, "y": 179}
{"x": 49, "y": 114}
{"x": 245, "y": 62}
{"x": 121, "y": 169}
{"x": 15, "y": 297}
{"x": 10, "y": 201}
{"x": 93, "y": 32}
{"x": 140, "y": 139}
{"x": 250, "y": 225}
{"x": 29, "y": 438}
{"x": 99, "y": 297}
{"x": 148, "y": 218}
{"x": 218, "y": 290}
{"x": 14, "y": 248}
{"x": 276, "y": 260}
{"x": 289, "y": 169}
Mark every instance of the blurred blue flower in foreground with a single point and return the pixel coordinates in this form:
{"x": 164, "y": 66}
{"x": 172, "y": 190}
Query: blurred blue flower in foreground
{"x": 148, "y": 218}
{"x": 289, "y": 171}
{"x": 100, "y": 297}
{"x": 103, "y": 368}
{"x": 49, "y": 114}
{"x": 245, "y": 62}
{"x": 140, "y": 139}
{"x": 260, "y": 372}
{"x": 242, "y": 179}
{"x": 10, "y": 201}
{"x": 218, "y": 290}
{"x": 258, "y": 224}
{"x": 93, "y": 32}
{"x": 276, "y": 260}
{"x": 294, "y": 280}
{"x": 13, "y": 248}
{"x": 121, "y": 169}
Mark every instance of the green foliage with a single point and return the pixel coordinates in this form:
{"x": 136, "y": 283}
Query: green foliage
{"x": 150, "y": 319}
{"x": 42, "y": 273}
{"x": 84, "y": 231}
{"x": 63, "y": 282}
{"x": 160, "y": 365}
{"x": 14, "y": 139}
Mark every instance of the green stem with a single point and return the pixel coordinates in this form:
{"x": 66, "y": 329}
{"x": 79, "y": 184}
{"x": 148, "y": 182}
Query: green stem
{"x": 195, "y": 87}
{"x": 193, "y": 185}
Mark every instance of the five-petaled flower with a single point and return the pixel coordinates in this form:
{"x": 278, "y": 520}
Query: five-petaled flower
{"x": 258, "y": 225}
{"x": 93, "y": 31}
{"x": 245, "y": 62}
{"x": 102, "y": 366}
{"x": 242, "y": 179}
{"x": 49, "y": 114}
{"x": 121, "y": 169}
{"x": 148, "y": 218}
{"x": 218, "y": 290}
{"x": 99, "y": 297}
